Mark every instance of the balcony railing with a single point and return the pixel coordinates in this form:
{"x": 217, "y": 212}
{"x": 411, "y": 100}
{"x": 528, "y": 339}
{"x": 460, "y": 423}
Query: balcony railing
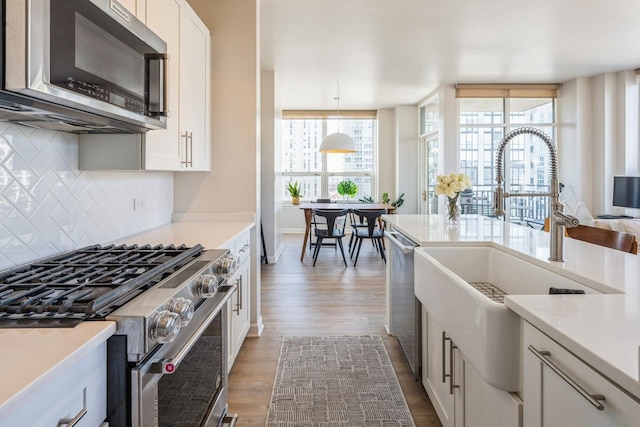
{"x": 529, "y": 210}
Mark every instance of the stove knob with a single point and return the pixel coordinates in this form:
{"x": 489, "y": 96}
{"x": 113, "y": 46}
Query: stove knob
{"x": 164, "y": 327}
{"x": 207, "y": 285}
{"x": 182, "y": 307}
{"x": 229, "y": 264}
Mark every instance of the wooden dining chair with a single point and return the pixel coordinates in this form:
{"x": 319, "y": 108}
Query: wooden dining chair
{"x": 600, "y": 236}
{"x": 333, "y": 229}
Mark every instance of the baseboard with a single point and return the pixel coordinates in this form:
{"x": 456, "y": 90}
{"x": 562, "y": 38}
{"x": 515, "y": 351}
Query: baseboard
{"x": 255, "y": 330}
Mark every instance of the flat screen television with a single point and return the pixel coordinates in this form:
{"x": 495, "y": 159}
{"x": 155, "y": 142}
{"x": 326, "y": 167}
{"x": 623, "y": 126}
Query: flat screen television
{"x": 626, "y": 191}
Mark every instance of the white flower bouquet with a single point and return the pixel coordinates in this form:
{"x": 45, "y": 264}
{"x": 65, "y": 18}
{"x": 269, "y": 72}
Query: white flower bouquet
{"x": 451, "y": 185}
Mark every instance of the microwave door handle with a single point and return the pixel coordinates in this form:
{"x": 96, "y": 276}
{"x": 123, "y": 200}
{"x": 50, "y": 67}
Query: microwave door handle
{"x": 162, "y": 85}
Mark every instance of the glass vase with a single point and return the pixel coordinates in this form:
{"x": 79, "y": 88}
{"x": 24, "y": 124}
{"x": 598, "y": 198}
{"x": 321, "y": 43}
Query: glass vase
{"x": 453, "y": 210}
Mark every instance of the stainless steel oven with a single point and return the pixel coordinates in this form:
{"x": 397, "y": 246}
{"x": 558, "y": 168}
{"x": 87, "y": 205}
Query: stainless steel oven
{"x": 185, "y": 382}
{"x": 81, "y": 66}
{"x": 173, "y": 357}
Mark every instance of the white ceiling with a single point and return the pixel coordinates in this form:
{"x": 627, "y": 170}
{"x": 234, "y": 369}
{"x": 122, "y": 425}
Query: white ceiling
{"x": 383, "y": 53}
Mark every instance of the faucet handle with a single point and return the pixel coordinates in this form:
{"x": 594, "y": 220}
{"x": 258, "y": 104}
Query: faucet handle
{"x": 566, "y": 220}
{"x": 498, "y": 201}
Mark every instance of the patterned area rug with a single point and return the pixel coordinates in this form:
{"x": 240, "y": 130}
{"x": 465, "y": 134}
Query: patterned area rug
{"x": 336, "y": 382}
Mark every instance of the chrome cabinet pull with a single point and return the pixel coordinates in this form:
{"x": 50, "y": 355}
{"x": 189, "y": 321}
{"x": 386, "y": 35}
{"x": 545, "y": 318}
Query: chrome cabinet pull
{"x": 191, "y": 149}
{"x": 594, "y": 399}
{"x": 238, "y": 297}
{"x": 241, "y": 294}
{"x": 452, "y": 347}
{"x": 444, "y": 357}
{"x": 70, "y": 422}
{"x": 188, "y": 149}
{"x": 185, "y": 135}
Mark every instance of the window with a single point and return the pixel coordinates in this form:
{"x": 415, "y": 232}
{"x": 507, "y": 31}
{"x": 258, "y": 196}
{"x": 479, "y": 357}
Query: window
{"x": 319, "y": 173}
{"x": 483, "y": 122}
{"x": 429, "y": 158}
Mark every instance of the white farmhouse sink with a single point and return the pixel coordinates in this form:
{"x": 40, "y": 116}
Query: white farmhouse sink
{"x": 485, "y": 331}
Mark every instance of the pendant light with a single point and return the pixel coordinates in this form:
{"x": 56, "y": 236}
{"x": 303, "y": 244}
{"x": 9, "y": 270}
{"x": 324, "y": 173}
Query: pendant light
{"x": 338, "y": 142}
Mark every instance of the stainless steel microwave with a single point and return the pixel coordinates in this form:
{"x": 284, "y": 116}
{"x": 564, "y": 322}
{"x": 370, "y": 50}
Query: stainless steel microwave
{"x": 81, "y": 66}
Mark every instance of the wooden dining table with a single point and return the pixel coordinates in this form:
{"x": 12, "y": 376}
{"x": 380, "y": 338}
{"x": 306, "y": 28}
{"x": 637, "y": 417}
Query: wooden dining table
{"x": 308, "y": 208}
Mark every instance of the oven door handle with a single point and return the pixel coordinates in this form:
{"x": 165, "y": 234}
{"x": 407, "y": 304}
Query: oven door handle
{"x": 169, "y": 366}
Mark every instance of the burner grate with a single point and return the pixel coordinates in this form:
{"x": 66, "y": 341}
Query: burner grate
{"x": 88, "y": 282}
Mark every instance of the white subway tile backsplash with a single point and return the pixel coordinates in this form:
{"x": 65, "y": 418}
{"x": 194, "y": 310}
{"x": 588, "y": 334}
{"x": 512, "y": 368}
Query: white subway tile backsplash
{"x": 48, "y": 206}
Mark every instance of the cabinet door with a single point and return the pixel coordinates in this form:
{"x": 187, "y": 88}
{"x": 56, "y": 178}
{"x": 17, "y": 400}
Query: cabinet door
{"x": 163, "y": 148}
{"x": 485, "y": 405}
{"x": 556, "y": 385}
{"x": 240, "y": 310}
{"x": 82, "y": 389}
{"x": 194, "y": 91}
{"x": 435, "y": 368}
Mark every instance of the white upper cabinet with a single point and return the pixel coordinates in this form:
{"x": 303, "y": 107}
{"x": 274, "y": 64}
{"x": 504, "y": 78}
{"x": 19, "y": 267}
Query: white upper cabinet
{"x": 185, "y": 144}
{"x": 195, "y": 85}
{"x": 163, "y": 149}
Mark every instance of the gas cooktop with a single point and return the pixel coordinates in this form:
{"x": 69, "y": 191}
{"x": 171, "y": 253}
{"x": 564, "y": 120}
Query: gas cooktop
{"x": 85, "y": 284}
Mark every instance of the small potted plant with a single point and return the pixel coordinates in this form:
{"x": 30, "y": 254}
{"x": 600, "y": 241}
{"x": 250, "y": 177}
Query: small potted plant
{"x": 294, "y": 191}
{"x": 396, "y": 203}
{"x": 347, "y": 188}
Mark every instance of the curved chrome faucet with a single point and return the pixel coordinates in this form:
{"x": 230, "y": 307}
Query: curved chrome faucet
{"x": 557, "y": 218}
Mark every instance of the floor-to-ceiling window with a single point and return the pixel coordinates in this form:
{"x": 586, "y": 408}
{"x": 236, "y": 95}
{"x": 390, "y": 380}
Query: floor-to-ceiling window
{"x": 429, "y": 147}
{"x": 318, "y": 173}
{"x": 483, "y": 122}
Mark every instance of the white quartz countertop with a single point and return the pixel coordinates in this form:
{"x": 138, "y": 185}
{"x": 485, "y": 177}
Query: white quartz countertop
{"x": 197, "y": 230}
{"x": 33, "y": 358}
{"x": 603, "y": 330}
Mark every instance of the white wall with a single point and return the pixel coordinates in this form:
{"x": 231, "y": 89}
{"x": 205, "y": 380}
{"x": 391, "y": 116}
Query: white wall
{"x": 406, "y": 157}
{"x": 271, "y": 182}
{"x": 386, "y": 155}
{"x": 48, "y": 206}
{"x": 233, "y": 185}
{"x": 598, "y": 137}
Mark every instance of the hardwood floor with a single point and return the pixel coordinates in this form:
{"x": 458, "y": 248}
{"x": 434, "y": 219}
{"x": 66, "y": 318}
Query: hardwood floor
{"x": 298, "y": 299}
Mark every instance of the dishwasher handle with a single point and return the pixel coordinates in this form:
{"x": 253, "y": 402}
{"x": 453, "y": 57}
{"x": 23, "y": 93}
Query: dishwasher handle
{"x": 391, "y": 235}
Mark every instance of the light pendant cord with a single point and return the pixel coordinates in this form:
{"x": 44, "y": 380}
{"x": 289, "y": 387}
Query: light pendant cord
{"x": 337, "y": 98}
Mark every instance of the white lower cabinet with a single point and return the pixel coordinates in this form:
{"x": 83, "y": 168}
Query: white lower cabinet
{"x": 238, "y": 307}
{"x": 437, "y": 357}
{"x": 561, "y": 390}
{"x": 239, "y": 311}
{"x": 460, "y": 396}
{"x": 78, "y": 394}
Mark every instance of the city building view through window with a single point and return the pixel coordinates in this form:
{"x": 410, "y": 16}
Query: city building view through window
{"x": 483, "y": 122}
{"x": 318, "y": 174}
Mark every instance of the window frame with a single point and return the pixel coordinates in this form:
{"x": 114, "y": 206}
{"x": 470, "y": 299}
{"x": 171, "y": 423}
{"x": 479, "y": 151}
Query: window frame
{"x": 324, "y": 173}
{"x": 507, "y": 125}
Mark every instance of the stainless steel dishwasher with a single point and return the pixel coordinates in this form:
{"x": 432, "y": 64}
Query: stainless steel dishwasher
{"x": 405, "y": 307}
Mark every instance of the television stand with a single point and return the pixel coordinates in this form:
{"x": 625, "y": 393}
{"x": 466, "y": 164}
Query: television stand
{"x": 605, "y": 216}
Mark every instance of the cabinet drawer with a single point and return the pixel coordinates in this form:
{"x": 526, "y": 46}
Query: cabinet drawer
{"x": 81, "y": 388}
{"x": 243, "y": 246}
{"x": 560, "y": 389}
